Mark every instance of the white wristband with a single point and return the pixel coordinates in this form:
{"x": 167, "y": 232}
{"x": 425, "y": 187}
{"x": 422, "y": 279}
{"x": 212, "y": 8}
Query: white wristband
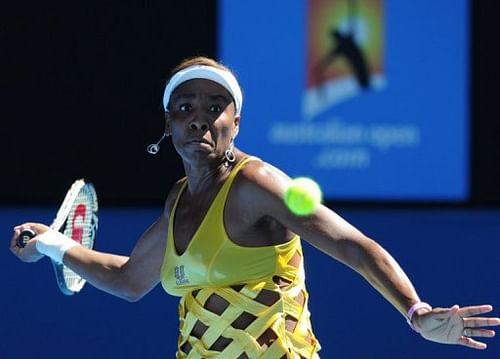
{"x": 54, "y": 244}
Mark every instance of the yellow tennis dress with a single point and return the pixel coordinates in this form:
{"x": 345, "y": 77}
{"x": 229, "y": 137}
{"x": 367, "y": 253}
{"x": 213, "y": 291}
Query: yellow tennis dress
{"x": 240, "y": 277}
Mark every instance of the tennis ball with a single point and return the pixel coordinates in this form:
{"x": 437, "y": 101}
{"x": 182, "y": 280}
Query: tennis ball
{"x": 302, "y": 196}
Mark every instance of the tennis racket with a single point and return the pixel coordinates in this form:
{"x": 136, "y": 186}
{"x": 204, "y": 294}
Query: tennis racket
{"x": 76, "y": 219}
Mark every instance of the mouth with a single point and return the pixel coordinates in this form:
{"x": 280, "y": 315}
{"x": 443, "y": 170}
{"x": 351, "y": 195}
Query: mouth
{"x": 198, "y": 141}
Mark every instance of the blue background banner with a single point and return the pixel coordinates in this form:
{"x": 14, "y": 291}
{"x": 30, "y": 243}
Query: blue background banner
{"x": 404, "y": 137}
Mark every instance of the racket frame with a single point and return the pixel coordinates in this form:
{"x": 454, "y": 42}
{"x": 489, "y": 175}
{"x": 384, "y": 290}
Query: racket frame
{"x": 67, "y": 280}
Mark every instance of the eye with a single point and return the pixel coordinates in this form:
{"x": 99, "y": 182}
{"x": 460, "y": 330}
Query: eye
{"x": 215, "y": 108}
{"x": 185, "y": 107}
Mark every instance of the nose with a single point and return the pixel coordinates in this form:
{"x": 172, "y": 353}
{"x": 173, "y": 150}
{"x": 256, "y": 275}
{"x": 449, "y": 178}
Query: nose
{"x": 198, "y": 124}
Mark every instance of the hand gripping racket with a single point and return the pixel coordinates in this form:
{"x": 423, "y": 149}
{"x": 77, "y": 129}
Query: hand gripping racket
{"x": 76, "y": 219}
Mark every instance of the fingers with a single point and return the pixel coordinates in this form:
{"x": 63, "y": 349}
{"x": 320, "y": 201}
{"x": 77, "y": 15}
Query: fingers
{"x": 481, "y": 322}
{"x": 22, "y": 227}
{"x": 466, "y": 312}
{"x": 28, "y": 225}
{"x": 38, "y": 228}
{"x": 474, "y": 310}
{"x": 478, "y": 332}
{"x": 14, "y": 245}
{"x": 471, "y": 343}
{"x": 477, "y": 322}
{"x": 15, "y": 234}
{"x": 13, "y": 241}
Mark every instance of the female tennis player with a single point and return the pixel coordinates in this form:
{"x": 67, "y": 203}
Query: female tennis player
{"x": 228, "y": 246}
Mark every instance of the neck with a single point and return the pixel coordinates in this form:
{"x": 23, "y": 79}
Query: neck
{"x": 206, "y": 177}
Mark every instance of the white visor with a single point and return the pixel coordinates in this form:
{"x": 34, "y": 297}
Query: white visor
{"x": 222, "y": 77}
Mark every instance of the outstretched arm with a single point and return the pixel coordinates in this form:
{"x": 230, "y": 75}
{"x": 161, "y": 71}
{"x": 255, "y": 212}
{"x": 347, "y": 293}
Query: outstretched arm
{"x": 331, "y": 234}
{"x": 328, "y": 232}
{"x": 128, "y": 277}
{"x": 125, "y": 277}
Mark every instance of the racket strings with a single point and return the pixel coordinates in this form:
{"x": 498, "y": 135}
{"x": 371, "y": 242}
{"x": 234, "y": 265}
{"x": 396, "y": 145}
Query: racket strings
{"x": 77, "y": 219}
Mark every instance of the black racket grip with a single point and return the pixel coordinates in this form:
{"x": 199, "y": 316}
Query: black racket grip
{"x": 24, "y": 237}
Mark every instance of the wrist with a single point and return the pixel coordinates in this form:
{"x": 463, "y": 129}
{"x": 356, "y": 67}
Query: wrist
{"x": 414, "y": 312}
{"x": 54, "y": 244}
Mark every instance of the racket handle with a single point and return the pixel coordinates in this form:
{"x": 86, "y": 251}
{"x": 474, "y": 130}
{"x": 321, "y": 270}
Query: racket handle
{"x": 24, "y": 237}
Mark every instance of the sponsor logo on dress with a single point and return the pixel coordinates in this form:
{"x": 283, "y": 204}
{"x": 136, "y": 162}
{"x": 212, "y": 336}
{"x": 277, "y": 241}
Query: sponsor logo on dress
{"x": 180, "y": 276}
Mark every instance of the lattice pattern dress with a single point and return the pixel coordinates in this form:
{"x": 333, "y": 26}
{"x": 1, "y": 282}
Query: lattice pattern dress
{"x": 261, "y": 298}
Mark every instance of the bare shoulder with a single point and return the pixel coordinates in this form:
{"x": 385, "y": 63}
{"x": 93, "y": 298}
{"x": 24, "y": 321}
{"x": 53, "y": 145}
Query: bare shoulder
{"x": 258, "y": 188}
{"x": 263, "y": 175}
{"x": 254, "y": 208}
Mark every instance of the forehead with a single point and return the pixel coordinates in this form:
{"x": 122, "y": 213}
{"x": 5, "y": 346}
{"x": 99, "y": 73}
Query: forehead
{"x": 200, "y": 87}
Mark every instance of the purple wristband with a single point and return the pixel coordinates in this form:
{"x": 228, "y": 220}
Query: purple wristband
{"x": 412, "y": 311}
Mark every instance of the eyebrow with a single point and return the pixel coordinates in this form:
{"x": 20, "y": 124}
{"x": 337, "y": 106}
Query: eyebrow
{"x": 183, "y": 96}
{"x": 219, "y": 97}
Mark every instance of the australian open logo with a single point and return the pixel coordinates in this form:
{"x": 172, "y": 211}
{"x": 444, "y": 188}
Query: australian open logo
{"x": 344, "y": 52}
{"x": 344, "y": 61}
{"x": 180, "y": 276}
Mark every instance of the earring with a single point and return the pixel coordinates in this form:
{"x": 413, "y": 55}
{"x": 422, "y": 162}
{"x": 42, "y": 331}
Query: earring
{"x": 229, "y": 154}
{"x": 154, "y": 148}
